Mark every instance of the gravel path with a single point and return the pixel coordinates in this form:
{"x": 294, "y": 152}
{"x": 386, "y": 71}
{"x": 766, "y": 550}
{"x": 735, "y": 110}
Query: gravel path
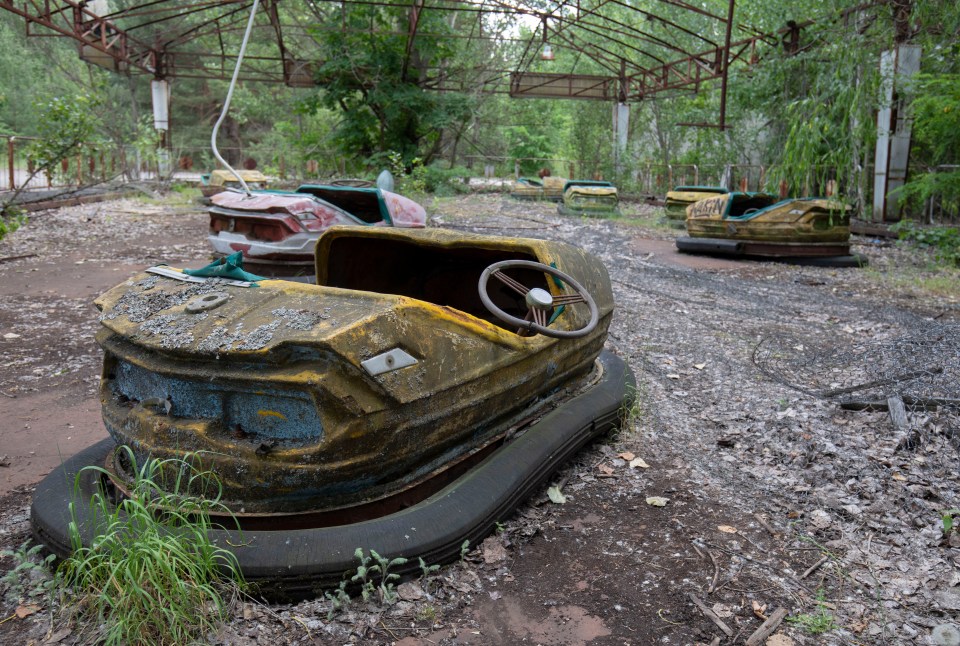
{"x": 777, "y": 496}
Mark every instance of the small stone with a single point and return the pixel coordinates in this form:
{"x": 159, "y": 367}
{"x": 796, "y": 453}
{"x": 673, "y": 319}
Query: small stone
{"x": 946, "y": 635}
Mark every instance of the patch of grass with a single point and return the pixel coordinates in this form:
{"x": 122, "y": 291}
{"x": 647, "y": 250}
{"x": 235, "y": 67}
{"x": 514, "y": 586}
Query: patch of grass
{"x": 184, "y": 193}
{"x": 634, "y": 407}
{"x": 818, "y": 622}
{"x": 31, "y": 577}
{"x": 151, "y": 574}
{"x": 931, "y": 280}
{"x": 426, "y": 615}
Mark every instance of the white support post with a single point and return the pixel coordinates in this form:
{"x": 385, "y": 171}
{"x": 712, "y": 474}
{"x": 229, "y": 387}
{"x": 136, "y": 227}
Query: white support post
{"x": 894, "y": 124}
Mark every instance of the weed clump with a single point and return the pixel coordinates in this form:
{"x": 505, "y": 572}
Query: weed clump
{"x": 151, "y": 574}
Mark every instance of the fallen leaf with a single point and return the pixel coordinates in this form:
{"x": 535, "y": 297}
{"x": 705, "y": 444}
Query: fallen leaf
{"x": 556, "y": 496}
{"x": 673, "y": 376}
{"x": 26, "y": 610}
{"x": 899, "y": 476}
{"x": 727, "y": 529}
{"x": 722, "y": 610}
{"x": 493, "y": 550}
{"x": 638, "y": 462}
{"x": 11, "y": 336}
{"x": 59, "y": 636}
{"x": 410, "y": 591}
{"x": 626, "y": 455}
{"x": 605, "y": 469}
{"x": 699, "y": 366}
{"x": 657, "y": 501}
{"x": 758, "y": 610}
{"x": 779, "y": 640}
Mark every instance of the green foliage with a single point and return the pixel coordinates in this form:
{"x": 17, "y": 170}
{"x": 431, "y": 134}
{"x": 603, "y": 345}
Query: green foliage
{"x": 947, "y": 518}
{"x": 366, "y": 576}
{"x": 65, "y": 122}
{"x": 31, "y": 577}
{"x": 338, "y": 599}
{"x": 936, "y": 142}
{"x": 425, "y": 569}
{"x": 426, "y": 614}
{"x": 943, "y": 241}
{"x": 817, "y": 623}
{"x": 151, "y": 575}
{"x": 147, "y": 139}
{"x": 11, "y": 219}
{"x": 374, "y": 78}
{"x": 528, "y": 148}
{"x": 445, "y": 182}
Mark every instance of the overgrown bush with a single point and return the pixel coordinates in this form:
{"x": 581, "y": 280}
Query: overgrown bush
{"x": 11, "y": 219}
{"x": 943, "y": 241}
{"x": 152, "y": 575}
{"x": 445, "y": 181}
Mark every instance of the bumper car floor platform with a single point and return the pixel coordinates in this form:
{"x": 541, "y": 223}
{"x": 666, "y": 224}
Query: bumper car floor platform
{"x": 813, "y": 254}
{"x": 292, "y": 556}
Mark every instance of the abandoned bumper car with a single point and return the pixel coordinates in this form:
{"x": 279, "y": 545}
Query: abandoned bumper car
{"x": 407, "y": 402}
{"x": 676, "y": 201}
{"x": 277, "y": 231}
{"x": 588, "y": 197}
{"x": 527, "y": 188}
{"x": 804, "y": 230}
{"x": 546, "y": 188}
{"x": 222, "y": 180}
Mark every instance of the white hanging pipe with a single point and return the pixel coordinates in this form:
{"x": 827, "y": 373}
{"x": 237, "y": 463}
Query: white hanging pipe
{"x": 226, "y": 103}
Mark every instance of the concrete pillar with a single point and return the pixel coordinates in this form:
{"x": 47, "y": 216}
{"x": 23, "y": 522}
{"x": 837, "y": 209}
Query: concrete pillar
{"x": 893, "y": 131}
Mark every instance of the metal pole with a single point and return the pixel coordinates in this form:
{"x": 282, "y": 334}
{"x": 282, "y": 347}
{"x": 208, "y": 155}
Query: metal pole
{"x": 13, "y": 174}
{"x": 726, "y": 64}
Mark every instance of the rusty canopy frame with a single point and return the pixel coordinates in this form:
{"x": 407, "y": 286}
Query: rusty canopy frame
{"x": 633, "y": 52}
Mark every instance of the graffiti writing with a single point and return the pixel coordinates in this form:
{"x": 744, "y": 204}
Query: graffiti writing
{"x": 706, "y": 208}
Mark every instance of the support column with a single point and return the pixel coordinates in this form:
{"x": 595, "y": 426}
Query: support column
{"x": 894, "y": 124}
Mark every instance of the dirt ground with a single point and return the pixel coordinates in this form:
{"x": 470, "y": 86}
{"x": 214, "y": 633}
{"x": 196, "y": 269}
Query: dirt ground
{"x": 775, "y": 496}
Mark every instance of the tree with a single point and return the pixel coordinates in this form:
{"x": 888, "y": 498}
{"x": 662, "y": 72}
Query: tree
{"x": 64, "y": 124}
{"x": 375, "y": 76}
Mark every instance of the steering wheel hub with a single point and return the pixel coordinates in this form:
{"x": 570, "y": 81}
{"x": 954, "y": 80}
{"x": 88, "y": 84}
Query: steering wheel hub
{"x": 539, "y": 298}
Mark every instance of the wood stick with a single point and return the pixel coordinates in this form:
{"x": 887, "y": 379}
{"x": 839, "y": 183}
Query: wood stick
{"x": 766, "y": 526}
{"x": 711, "y": 615}
{"x": 766, "y": 628}
{"x": 907, "y": 376}
{"x": 716, "y": 572}
{"x": 20, "y": 257}
{"x": 813, "y": 568}
{"x": 898, "y": 414}
{"x": 925, "y": 403}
